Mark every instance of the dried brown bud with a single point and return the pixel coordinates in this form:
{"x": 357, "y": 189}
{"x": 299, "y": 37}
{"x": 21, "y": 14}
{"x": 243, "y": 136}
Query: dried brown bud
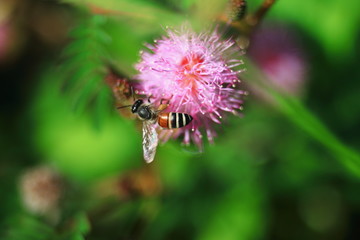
{"x": 41, "y": 190}
{"x": 141, "y": 182}
{"x": 236, "y": 9}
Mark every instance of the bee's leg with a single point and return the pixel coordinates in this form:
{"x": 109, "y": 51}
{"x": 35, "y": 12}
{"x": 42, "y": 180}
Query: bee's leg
{"x": 149, "y": 98}
{"x": 166, "y": 99}
{"x": 162, "y": 107}
{"x": 163, "y": 99}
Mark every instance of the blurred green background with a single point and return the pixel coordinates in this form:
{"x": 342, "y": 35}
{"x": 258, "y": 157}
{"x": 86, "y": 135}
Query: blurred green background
{"x": 275, "y": 173}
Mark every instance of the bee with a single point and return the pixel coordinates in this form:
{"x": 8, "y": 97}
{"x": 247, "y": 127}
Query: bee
{"x": 151, "y": 116}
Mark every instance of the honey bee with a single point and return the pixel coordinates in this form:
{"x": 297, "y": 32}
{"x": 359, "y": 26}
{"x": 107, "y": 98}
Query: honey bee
{"x": 147, "y": 113}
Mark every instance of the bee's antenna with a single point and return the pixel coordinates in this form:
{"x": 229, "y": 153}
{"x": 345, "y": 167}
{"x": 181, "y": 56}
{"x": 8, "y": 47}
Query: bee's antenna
{"x": 149, "y": 98}
{"x": 123, "y": 106}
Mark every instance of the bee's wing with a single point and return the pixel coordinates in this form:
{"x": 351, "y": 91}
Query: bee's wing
{"x": 150, "y": 141}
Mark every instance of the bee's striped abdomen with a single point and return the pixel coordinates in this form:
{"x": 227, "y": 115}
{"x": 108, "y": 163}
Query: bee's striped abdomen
{"x": 174, "y": 120}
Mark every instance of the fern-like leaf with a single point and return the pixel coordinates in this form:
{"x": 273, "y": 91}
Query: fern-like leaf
{"x": 27, "y": 227}
{"x": 84, "y": 68}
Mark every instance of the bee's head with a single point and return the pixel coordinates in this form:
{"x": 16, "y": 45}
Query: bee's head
{"x": 136, "y": 105}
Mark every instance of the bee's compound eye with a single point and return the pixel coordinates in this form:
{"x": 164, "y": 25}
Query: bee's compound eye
{"x": 136, "y": 105}
{"x": 144, "y": 113}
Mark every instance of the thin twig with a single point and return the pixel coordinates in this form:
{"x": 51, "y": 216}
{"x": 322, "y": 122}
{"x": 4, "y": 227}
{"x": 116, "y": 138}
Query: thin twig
{"x": 255, "y": 18}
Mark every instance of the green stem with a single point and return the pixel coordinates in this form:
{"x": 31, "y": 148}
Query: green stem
{"x": 293, "y": 109}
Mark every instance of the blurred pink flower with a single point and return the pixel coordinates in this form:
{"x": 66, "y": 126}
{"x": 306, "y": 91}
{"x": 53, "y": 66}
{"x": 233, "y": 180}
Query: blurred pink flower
{"x": 279, "y": 54}
{"x": 195, "y": 72}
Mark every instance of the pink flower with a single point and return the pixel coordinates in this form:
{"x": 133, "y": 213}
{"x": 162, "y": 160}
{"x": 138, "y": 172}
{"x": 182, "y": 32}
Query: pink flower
{"x": 194, "y": 71}
{"x": 279, "y": 54}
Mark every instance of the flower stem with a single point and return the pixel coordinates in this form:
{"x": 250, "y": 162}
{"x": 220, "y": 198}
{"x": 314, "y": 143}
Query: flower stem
{"x": 295, "y": 111}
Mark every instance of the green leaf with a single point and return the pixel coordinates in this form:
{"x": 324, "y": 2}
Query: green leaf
{"x": 27, "y": 227}
{"x": 79, "y": 227}
{"x": 87, "y": 93}
{"x": 102, "y": 106}
{"x": 206, "y": 11}
{"x": 82, "y": 224}
{"x": 83, "y": 64}
{"x": 333, "y": 23}
{"x": 145, "y": 11}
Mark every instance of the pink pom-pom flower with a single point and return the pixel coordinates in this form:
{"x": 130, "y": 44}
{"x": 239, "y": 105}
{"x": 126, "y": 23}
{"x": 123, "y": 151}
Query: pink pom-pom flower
{"x": 194, "y": 71}
{"x": 276, "y": 49}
